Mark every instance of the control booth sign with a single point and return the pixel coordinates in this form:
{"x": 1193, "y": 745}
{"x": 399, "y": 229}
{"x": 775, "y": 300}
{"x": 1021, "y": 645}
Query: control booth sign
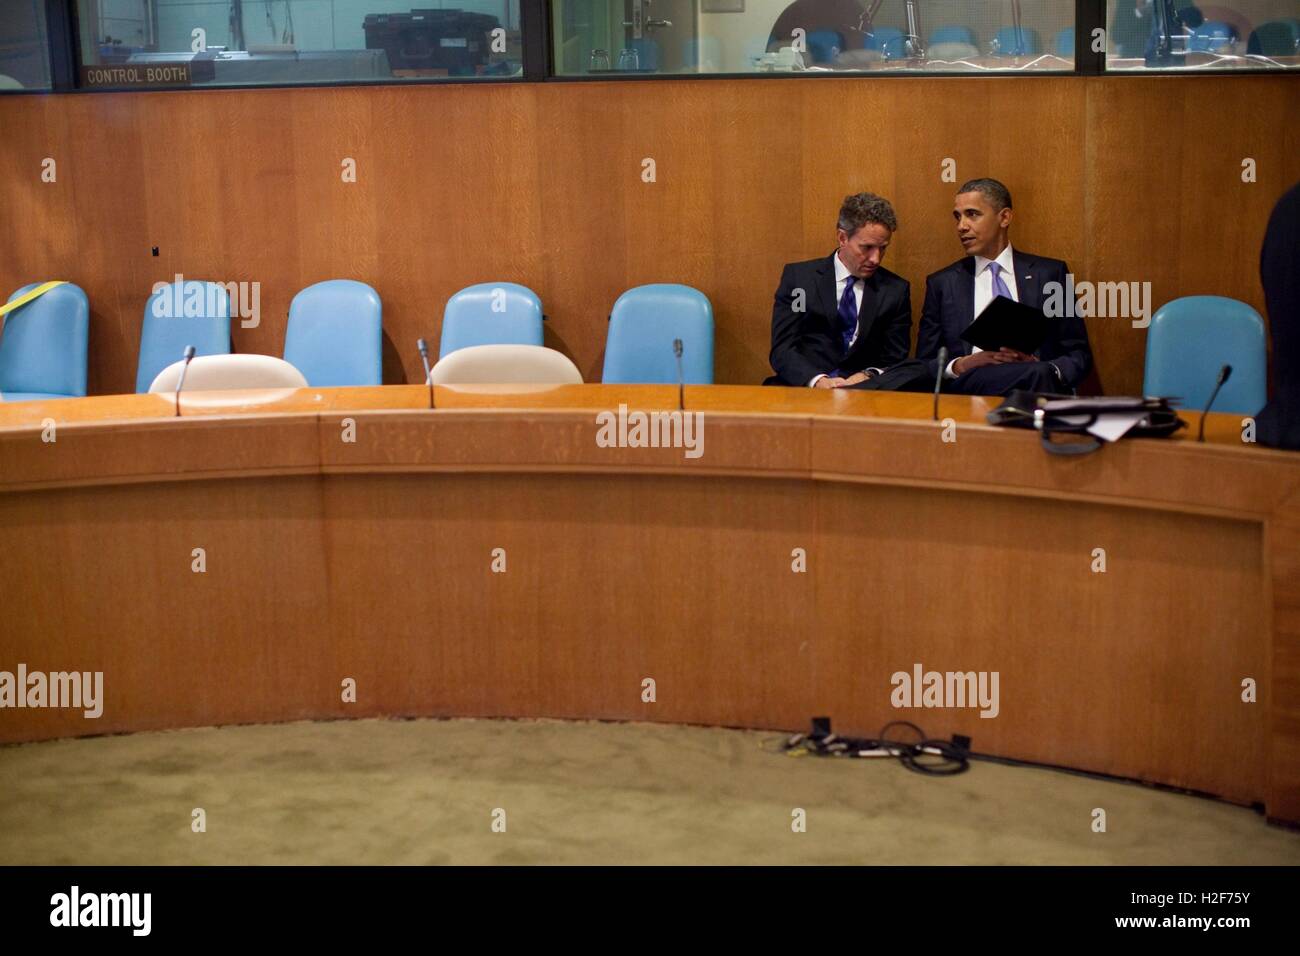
{"x": 137, "y": 74}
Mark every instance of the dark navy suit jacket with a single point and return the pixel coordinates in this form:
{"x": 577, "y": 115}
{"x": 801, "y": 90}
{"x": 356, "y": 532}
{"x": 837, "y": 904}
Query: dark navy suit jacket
{"x": 1279, "y": 422}
{"x": 950, "y": 307}
{"x": 808, "y": 343}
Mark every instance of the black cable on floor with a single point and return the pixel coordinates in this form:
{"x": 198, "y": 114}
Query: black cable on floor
{"x": 942, "y": 758}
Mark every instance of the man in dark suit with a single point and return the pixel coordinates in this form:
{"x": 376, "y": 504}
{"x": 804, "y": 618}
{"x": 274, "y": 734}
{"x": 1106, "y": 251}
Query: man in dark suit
{"x": 955, "y": 295}
{"x": 1279, "y": 422}
{"x": 844, "y": 318}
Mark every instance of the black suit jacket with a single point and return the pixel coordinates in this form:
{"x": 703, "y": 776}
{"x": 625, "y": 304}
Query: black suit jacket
{"x": 809, "y": 343}
{"x": 950, "y": 307}
{"x": 1279, "y": 422}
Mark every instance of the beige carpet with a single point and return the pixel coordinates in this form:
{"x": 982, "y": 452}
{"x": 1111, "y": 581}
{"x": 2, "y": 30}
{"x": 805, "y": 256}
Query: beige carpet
{"x": 364, "y": 792}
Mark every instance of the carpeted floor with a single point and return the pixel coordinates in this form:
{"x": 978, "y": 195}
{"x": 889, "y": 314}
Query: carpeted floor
{"x": 425, "y": 791}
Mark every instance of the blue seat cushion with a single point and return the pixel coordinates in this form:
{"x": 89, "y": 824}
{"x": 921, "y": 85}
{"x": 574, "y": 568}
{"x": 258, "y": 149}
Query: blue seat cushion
{"x": 31, "y": 396}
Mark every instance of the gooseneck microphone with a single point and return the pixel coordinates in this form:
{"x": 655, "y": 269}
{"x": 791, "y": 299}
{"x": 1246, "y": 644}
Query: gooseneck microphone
{"x": 912, "y": 43}
{"x": 681, "y": 381}
{"x": 1224, "y": 374}
{"x": 938, "y": 379}
{"x": 428, "y": 372}
{"x": 180, "y": 382}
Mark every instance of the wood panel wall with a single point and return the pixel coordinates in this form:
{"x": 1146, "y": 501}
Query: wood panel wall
{"x": 1128, "y": 179}
{"x": 372, "y": 559}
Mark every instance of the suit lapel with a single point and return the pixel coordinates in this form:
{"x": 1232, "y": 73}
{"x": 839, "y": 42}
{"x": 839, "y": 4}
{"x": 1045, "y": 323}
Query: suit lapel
{"x": 826, "y": 292}
{"x": 1029, "y": 289}
{"x": 867, "y": 311}
{"x": 965, "y": 299}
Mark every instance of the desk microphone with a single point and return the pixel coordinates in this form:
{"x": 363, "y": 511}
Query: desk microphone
{"x": 912, "y": 45}
{"x": 428, "y": 372}
{"x": 180, "y": 383}
{"x": 938, "y": 379}
{"x": 681, "y": 386}
{"x": 1224, "y": 374}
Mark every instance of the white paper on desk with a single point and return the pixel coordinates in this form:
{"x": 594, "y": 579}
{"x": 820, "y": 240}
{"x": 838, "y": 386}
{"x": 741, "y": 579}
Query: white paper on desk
{"x": 1115, "y": 427}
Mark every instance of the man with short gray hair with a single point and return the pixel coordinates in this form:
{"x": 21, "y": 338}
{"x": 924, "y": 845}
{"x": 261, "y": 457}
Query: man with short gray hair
{"x": 842, "y": 319}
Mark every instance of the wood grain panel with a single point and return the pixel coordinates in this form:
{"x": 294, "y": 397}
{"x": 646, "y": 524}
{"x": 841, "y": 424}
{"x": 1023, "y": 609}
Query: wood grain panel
{"x": 602, "y": 589}
{"x": 959, "y": 582}
{"x": 107, "y": 584}
{"x": 159, "y": 449}
{"x": 1164, "y": 161}
{"x": 470, "y": 440}
{"x": 372, "y": 559}
{"x": 1147, "y": 473}
{"x": 1128, "y": 179}
{"x": 1283, "y": 535}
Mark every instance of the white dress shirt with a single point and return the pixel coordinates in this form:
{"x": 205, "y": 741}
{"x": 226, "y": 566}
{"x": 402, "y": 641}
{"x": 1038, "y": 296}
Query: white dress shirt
{"x": 842, "y": 278}
{"x": 984, "y": 290}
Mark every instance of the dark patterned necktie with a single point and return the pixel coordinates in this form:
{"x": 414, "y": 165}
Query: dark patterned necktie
{"x": 848, "y": 313}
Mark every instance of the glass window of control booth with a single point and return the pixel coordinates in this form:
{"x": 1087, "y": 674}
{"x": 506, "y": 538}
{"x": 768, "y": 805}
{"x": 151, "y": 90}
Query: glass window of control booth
{"x": 1186, "y": 35}
{"x": 24, "y": 46}
{"x": 150, "y": 43}
{"x": 629, "y": 37}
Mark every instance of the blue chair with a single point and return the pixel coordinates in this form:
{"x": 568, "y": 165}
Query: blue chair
{"x": 43, "y": 345}
{"x": 1212, "y": 37}
{"x": 888, "y": 41}
{"x": 491, "y": 313}
{"x": 825, "y": 45}
{"x": 645, "y": 320}
{"x": 335, "y": 334}
{"x": 191, "y": 312}
{"x": 1065, "y": 43}
{"x": 952, "y": 35}
{"x": 1009, "y": 44}
{"x": 1191, "y": 338}
{"x": 1275, "y": 38}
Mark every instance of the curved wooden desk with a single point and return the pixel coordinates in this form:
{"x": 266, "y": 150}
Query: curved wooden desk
{"x": 372, "y": 559}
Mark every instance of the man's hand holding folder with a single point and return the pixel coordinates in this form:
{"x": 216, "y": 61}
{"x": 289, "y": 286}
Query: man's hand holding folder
{"x": 990, "y": 357}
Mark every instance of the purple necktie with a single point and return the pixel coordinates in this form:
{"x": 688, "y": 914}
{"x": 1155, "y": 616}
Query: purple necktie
{"x": 999, "y": 287}
{"x": 848, "y": 313}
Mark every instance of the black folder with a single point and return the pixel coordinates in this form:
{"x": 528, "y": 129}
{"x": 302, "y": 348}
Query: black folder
{"x": 1006, "y": 322}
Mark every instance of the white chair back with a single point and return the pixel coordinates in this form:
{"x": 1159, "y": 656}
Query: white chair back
{"x": 505, "y": 365}
{"x": 217, "y": 372}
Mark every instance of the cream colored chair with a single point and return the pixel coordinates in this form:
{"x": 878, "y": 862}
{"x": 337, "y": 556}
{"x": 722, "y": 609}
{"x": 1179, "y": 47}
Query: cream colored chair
{"x": 952, "y": 51}
{"x": 218, "y": 372}
{"x": 505, "y": 365}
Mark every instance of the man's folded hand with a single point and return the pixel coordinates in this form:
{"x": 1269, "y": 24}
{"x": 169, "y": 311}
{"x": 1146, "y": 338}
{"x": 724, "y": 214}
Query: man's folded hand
{"x": 1015, "y": 356}
{"x": 980, "y": 359}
